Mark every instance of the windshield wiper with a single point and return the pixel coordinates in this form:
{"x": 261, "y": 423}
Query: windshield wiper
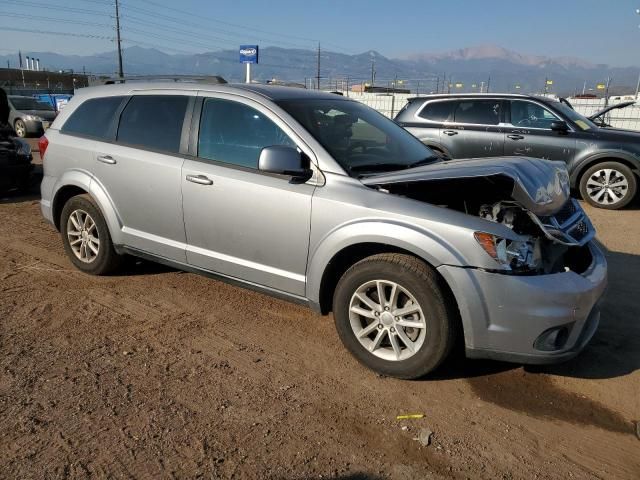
{"x": 425, "y": 161}
{"x": 377, "y": 167}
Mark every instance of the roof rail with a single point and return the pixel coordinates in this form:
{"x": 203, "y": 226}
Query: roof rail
{"x": 209, "y": 79}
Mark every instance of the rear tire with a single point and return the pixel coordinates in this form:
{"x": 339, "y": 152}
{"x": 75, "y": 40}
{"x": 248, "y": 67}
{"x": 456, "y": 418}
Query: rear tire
{"x": 20, "y": 128}
{"x": 608, "y": 185}
{"x": 86, "y": 237}
{"x": 411, "y": 331}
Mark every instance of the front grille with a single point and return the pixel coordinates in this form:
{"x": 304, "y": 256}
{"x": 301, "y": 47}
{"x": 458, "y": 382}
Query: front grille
{"x": 566, "y": 212}
{"x": 579, "y": 230}
{"x": 570, "y": 225}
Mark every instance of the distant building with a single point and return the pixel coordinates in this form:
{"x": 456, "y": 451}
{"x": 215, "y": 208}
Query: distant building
{"x": 17, "y": 81}
{"x": 358, "y": 87}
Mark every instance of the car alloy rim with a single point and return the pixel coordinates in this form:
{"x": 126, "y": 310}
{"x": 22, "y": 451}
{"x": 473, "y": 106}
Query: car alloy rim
{"x": 387, "y": 320}
{"x": 83, "y": 236}
{"x": 20, "y": 129}
{"x": 607, "y": 186}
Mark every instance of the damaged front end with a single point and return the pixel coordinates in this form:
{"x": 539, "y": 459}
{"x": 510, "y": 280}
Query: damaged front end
{"x": 531, "y": 197}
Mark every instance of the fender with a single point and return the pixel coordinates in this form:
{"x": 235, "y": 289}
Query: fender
{"x": 408, "y": 237}
{"x": 84, "y": 180}
{"x": 580, "y": 165}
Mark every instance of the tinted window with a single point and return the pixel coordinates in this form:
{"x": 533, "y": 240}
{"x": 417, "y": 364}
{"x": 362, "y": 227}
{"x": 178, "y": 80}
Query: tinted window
{"x": 528, "y": 114}
{"x": 153, "y": 121}
{"x": 26, "y": 103}
{"x": 93, "y": 118}
{"x": 438, "y": 111}
{"x": 483, "y": 112}
{"x": 232, "y": 132}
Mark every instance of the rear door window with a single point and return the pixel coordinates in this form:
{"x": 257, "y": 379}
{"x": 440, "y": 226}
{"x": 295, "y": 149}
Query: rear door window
{"x": 93, "y": 118}
{"x": 438, "y": 111}
{"x": 235, "y": 133}
{"x": 479, "y": 112}
{"x": 154, "y": 122}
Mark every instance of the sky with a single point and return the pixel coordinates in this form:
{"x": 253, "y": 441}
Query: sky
{"x": 603, "y": 31}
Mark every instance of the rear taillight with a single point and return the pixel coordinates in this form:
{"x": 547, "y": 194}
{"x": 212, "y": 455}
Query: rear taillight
{"x": 43, "y": 143}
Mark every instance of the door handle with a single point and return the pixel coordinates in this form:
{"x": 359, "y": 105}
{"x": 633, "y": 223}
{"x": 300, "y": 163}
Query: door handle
{"x": 450, "y": 132}
{"x": 108, "y": 159}
{"x": 516, "y": 137}
{"x": 199, "y": 179}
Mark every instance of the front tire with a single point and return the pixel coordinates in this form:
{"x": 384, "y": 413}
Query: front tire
{"x": 608, "y": 185}
{"x": 392, "y": 313}
{"x": 86, "y": 237}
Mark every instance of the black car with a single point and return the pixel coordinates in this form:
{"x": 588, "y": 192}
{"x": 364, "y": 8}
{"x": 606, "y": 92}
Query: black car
{"x": 603, "y": 164}
{"x": 15, "y": 154}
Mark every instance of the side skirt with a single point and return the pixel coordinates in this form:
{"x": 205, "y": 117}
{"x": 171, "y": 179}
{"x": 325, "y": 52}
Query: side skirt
{"x": 216, "y": 276}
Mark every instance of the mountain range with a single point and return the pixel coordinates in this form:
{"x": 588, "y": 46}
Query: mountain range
{"x": 503, "y": 69}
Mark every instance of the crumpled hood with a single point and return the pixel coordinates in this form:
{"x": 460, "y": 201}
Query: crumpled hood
{"x": 540, "y": 186}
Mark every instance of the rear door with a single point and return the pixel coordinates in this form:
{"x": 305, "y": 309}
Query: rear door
{"x": 528, "y": 132}
{"x": 141, "y": 171}
{"x": 241, "y": 222}
{"x": 474, "y": 130}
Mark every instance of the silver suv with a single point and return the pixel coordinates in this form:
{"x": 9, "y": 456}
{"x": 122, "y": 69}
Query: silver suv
{"x": 321, "y": 200}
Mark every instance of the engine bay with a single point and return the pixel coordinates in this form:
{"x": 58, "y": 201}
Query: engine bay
{"x": 549, "y": 247}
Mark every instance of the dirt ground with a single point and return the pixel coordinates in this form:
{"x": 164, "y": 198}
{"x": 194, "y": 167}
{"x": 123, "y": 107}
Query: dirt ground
{"x": 157, "y": 373}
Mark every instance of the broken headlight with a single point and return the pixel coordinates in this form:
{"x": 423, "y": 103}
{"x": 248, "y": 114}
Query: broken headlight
{"x": 515, "y": 255}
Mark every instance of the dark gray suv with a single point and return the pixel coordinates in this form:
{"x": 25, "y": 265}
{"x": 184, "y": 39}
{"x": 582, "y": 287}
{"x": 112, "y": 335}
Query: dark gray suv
{"x": 603, "y": 164}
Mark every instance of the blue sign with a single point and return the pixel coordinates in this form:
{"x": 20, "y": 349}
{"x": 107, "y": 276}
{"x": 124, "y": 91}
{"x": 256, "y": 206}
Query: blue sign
{"x": 248, "y": 53}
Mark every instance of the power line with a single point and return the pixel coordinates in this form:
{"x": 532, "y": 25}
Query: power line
{"x": 50, "y": 6}
{"x": 58, "y": 20}
{"x": 243, "y": 27}
{"x": 66, "y": 34}
{"x": 194, "y": 23}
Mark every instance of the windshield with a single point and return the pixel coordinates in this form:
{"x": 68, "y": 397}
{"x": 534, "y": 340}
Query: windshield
{"x": 26, "y": 103}
{"x": 360, "y": 139}
{"x": 582, "y": 122}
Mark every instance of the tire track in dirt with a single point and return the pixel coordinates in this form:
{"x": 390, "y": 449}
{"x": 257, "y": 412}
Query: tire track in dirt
{"x": 158, "y": 373}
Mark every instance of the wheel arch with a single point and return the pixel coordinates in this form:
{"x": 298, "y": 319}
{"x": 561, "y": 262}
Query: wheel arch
{"x": 613, "y": 156}
{"x": 350, "y": 244}
{"x": 79, "y": 183}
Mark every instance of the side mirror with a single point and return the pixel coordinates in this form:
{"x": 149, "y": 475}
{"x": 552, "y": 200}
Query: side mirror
{"x": 559, "y": 126}
{"x": 284, "y": 160}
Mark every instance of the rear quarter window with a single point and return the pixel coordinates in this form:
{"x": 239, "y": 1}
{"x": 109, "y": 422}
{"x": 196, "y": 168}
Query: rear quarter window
{"x": 93, "y": 118}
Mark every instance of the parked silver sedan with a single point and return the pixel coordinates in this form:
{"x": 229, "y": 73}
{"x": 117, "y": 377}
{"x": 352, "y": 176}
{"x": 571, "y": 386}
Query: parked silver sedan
{"x": 321, "y": 200}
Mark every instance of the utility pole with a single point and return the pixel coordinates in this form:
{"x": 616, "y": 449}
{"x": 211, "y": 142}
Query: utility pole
{"x": 373, "y": 70}
{"x": 606, "y": 93}
{"x": 120, "y": 71}
{"x": 488, "y": 83}
{"x": 318, "y": 73}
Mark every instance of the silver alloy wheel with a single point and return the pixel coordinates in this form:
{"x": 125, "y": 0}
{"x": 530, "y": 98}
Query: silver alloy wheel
{"x": 387, "y": 320}
{"x": 607, "y": 186}
{"x": 20, "y": 128}
{"x": 82, "y": 234}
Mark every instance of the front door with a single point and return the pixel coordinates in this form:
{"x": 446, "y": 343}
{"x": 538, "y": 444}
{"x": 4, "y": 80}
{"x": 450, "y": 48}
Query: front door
{"x": 528, "y": 133}
{"x": 475, "y": 130}
{"x": 240, "y": 222}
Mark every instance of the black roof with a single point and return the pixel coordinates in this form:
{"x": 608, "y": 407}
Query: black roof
{"x": 481, "y": 95}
